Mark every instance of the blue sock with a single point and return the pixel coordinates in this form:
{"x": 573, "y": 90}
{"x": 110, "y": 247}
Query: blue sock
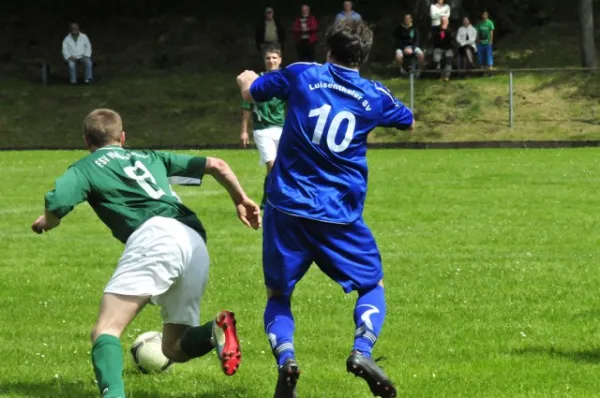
{"x": 369, "y": 314}
{"x": 279, "y": 327}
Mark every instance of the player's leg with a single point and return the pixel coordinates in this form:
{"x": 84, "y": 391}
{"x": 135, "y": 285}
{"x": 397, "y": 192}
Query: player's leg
{"x": 286, "y": 258}
{"x": 146, "y": 269}
{"x": 116, "y": 312}
{"x": 183, "y": 336}
{"x": 349, "y": 255}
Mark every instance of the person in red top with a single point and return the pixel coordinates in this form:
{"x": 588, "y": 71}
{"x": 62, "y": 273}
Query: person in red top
{"x": 305, "y": 33}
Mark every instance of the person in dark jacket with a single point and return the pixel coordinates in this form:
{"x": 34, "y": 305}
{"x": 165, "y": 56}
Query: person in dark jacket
{"x": 407, "y": 39}
{"x": 305, "y": 34}
{"x": 269, "y": 32}
{"x": 443, "y": 48}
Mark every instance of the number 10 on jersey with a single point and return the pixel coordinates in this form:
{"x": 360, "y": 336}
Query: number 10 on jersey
{"x": 323, "y": 114}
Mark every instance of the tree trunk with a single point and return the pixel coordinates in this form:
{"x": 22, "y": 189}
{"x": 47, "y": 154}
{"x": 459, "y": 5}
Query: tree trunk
{"x": 588, "y": 46}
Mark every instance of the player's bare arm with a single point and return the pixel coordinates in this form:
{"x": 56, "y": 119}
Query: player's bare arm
{"x": 246, "y": 116}
{"x": 248, "y": 211}
{"x": 45, "y": 222}
{"x": 244, "y": 81}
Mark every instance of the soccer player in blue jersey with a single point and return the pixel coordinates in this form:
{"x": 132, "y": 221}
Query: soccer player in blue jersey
{"x": 316, "y": 194}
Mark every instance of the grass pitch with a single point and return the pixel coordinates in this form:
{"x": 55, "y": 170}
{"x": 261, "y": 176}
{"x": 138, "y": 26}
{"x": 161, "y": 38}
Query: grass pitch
{"x": 491, "y": 261}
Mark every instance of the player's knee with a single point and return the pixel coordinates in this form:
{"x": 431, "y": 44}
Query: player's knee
{"x": 274, "y": 293}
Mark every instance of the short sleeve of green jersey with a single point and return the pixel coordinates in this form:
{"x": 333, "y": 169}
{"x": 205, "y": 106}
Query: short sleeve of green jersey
{"x": 183, "y": 165}
{"x": 492, "y": 27}
{"x": 246, "y": 105}
{"x": 70, "y": 189}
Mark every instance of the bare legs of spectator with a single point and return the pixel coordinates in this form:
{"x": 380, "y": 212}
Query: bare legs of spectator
{"x": 411, "y": 55}
{"x": 445, "y": 56}
{"x": 88, "y": 69}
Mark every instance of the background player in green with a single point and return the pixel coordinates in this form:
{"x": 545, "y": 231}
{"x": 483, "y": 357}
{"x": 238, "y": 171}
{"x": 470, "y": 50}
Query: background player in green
{"x": 485, "y": 41}
{"x": 267, "y": 119}
{"x": 165, "y": 261}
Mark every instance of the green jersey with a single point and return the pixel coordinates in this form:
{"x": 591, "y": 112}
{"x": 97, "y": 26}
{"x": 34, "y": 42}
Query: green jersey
{"x": 484, "y": 31}
{"x": 266, "y": 114}
{"x": 126, "y": 188}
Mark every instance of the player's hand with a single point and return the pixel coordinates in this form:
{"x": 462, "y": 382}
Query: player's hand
{"x": 245, "y": 139}
{"x": 246, "y": 78}
{"x": 249, "y": 213}
{"x": 40, "y": 225}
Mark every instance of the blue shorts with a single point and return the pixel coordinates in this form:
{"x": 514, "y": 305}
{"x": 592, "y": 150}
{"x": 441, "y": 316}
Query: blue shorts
{"x": 485, "y": 54}
{"x": 348, "y": 254}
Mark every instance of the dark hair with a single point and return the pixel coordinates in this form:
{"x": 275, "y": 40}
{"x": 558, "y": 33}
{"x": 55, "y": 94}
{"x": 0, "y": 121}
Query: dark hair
{"x": 349, "y": 42}
{"x": 273, "y": 49}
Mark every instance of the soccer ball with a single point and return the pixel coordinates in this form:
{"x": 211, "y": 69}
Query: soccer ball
{"x": 146, "y": 352}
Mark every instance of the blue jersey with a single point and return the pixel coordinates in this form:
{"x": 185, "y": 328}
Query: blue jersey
{"x": 321, "y": 168}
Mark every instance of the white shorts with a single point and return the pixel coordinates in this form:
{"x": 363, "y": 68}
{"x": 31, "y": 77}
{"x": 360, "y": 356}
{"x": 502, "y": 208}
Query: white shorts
{"x": 169, "y": 261}
{"x": 267, "y": 141}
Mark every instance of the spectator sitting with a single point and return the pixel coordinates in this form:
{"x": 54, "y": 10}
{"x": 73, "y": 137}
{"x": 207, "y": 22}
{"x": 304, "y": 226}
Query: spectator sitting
{"x": 485, "y": 41}
{"x": 443, "y": 48}
{"x": 305, "y": 32}
{"x": 77, "y": 49}
{"x": 406, "y": 36}
{"x": 347, "y": 12}
{"x": 436, "y": 12}
{"x": 466, "y": 39}
{"x": 269, "y": 32}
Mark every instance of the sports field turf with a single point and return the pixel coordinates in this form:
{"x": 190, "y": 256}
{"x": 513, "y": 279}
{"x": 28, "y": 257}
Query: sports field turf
{"x": 492, "y": 276}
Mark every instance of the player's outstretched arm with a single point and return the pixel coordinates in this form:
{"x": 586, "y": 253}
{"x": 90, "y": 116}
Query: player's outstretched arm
{"x": 70, "y": 189}
{"x": 248, "y": 211}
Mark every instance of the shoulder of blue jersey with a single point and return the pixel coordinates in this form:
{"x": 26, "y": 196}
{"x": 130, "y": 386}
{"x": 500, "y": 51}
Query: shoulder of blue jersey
{"x": 386, "y": 91}
{"x": 299, "y": 67}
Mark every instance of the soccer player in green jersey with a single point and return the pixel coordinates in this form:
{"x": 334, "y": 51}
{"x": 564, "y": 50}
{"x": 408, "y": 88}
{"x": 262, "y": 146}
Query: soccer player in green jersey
{"x": 267, "y": 120}
{"x": 165, "y": 261}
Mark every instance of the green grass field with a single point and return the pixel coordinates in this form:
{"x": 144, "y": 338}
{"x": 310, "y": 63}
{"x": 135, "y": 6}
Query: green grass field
{"x": 491, "y": 260}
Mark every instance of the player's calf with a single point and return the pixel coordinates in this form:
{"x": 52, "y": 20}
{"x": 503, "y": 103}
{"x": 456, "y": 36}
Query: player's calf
{"x": 279, "y": 326}
{"x": 369, "y": 315}
{"x": 116, "y": 312}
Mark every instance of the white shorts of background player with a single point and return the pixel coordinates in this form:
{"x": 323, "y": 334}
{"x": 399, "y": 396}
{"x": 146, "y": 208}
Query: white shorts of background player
{"x": 168, "y": 261}
{"x": 267, "y": 141}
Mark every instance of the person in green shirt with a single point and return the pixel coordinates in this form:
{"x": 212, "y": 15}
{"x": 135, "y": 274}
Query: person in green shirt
{"x": 267, "y": 120}
{"x": 485, "y": 41}
{"x": 165, "y": 261}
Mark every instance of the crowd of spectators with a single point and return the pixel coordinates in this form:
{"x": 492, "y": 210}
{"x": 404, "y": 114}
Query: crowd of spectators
{"x": 472, "y": 45}
{"x": 466, "y": 47}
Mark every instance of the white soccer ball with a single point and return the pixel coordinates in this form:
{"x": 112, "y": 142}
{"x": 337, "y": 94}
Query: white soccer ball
{"x": 146, "y": 352}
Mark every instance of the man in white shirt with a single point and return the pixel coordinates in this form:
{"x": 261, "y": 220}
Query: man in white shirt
{"x": 436, "y": 12}
{"x": 77, "y": 49}
{"x": 348, "y": 13}
{"x": 466, "y": 39}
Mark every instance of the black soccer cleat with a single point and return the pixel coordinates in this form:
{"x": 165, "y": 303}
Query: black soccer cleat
{"x": 367, "y": 369}
{"x": 289, "y": 373}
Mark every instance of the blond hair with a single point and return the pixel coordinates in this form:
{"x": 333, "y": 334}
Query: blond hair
{"x": 102, "y": 127}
